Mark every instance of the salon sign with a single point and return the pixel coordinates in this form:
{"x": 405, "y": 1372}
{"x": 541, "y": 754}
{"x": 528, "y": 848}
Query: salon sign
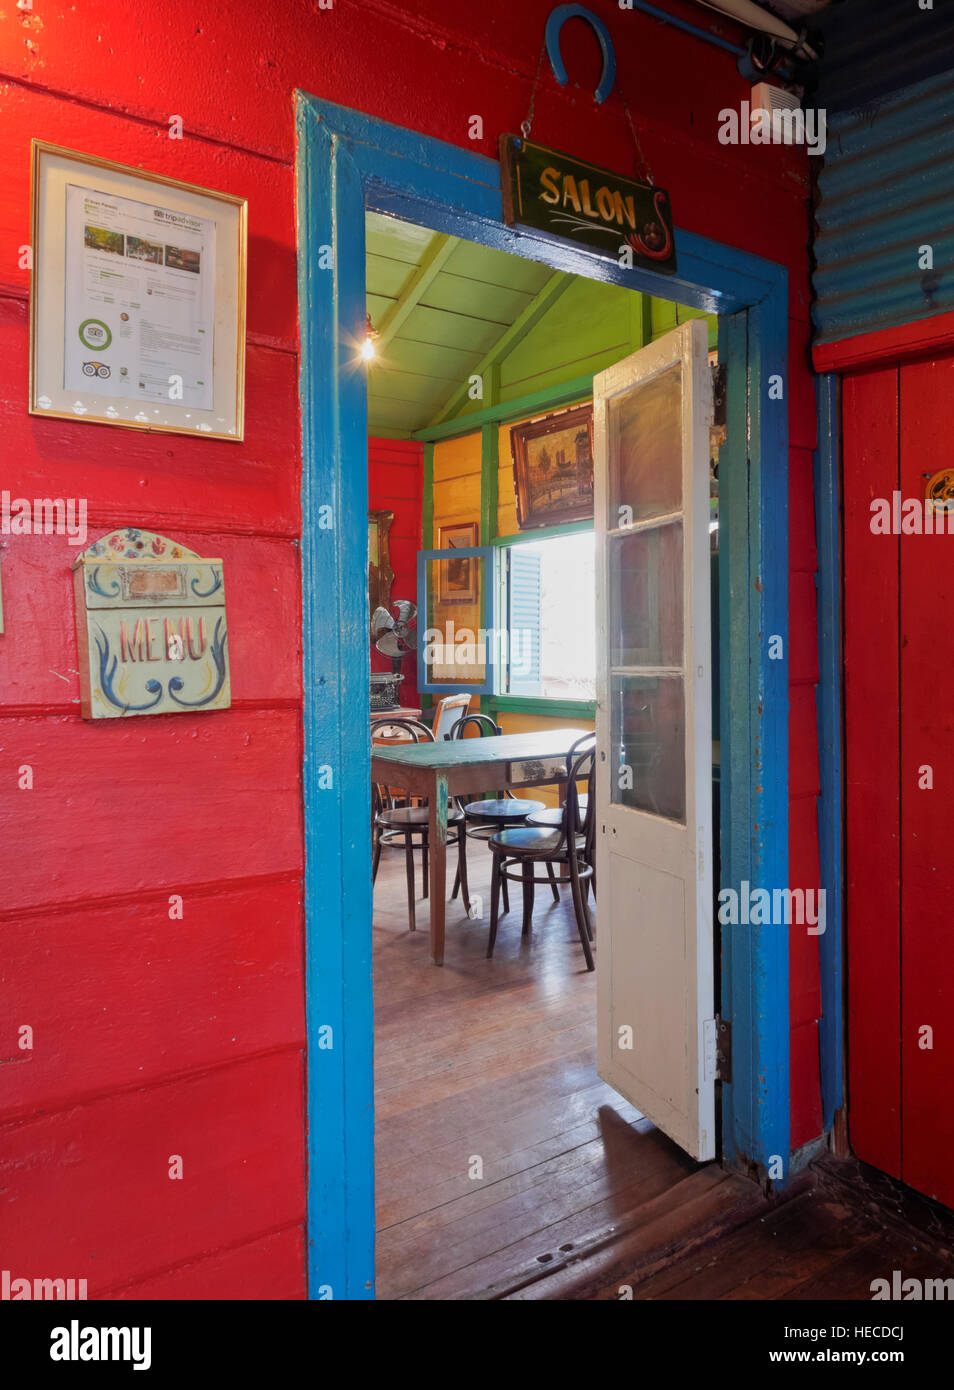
{"x": 151, "y": 628}
{"x": 624, "y": 221}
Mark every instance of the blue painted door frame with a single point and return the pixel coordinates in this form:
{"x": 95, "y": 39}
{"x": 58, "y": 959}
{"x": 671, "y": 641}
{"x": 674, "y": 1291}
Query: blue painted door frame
{"x": 827, "y": 484}
{"x": 347, "y": 164}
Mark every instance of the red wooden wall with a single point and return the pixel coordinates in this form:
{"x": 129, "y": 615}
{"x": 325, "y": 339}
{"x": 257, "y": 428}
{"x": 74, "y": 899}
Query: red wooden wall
{"x": 899, "y": 870}
{"x": 395, "y": 482}
{"x": 154, "y": 1037}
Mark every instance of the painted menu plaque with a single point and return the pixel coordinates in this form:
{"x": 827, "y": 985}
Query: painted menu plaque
{"x": 151, "y": 628}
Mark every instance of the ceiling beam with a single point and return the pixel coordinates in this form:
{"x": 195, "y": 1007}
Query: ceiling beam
{"x": 413, "y": 291}
{"x": 539, "y": 402}
{"x": 542, "y": 302}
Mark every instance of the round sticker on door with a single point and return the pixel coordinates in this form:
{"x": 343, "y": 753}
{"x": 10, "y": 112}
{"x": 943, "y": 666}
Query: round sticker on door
{"x": 940, "y": 490}
{"x": 94, "y": 334}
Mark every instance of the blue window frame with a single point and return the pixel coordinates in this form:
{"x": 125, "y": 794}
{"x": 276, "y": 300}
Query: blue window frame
{"x": 349, "y": 163}
{"x": 484, "y": 638}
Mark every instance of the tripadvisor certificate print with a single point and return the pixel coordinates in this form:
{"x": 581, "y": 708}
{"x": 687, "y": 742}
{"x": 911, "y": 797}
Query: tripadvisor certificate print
{"x": 140, "y": 301}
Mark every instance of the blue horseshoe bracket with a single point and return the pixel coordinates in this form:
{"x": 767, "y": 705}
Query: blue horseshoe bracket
{"x": 555, "y": 23}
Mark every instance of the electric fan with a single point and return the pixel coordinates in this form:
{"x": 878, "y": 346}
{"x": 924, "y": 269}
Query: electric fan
{"x": 394, "y": 635}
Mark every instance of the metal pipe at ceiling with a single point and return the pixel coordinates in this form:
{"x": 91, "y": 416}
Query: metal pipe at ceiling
{"x": 689, "y": 28}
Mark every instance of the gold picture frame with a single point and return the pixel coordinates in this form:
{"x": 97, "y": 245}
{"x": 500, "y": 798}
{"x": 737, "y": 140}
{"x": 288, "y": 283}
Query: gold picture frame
{"x": 188, "y": 250}
{"x": 380, "y": 573}
{"x": 553, "y": 468}
{"x": 457, "y": 579}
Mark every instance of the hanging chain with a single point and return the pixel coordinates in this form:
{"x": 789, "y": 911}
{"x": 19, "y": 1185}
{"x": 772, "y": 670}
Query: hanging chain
{"x": 646, "y": 170}
{"x": 525, "y": 125}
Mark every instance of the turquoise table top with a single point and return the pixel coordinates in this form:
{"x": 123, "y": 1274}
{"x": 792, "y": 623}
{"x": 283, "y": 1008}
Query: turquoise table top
{"x": 467, "y": 752}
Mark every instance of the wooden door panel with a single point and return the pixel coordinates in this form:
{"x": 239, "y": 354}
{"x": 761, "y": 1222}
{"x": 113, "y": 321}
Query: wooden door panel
{"x": 873, "y": 867}
{"x": 654, "y": 732}
{"x": 927, "y": 741}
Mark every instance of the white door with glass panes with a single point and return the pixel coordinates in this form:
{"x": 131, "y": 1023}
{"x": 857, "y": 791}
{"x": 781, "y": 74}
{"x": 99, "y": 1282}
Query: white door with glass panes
{"x": 652, "y": 414}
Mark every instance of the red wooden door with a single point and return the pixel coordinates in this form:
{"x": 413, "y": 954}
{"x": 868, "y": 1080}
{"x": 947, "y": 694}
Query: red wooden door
{"x": 899, "y": 765}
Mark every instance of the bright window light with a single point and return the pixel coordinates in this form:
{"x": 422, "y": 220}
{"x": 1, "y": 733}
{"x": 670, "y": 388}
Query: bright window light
{"x": 551, "y": 608}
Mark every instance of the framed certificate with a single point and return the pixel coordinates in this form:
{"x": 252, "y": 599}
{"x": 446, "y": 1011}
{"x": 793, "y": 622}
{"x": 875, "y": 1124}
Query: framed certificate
{"x": 137, "y": 300}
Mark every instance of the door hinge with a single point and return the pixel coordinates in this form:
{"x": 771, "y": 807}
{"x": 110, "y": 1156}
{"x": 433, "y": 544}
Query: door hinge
{"x": 723, "y": 1047}
{"x": 719, "y": 411}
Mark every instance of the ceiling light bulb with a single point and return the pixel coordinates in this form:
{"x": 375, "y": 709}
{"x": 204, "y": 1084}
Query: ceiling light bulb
{"x": 367, "y": 347}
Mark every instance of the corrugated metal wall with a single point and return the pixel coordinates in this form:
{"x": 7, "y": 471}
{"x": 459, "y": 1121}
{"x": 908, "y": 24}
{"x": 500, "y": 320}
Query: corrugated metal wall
{"x": 873, "y": 47}
{"x": 886, "y": 190}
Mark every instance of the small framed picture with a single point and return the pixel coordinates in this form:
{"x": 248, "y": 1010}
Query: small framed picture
{"x": 380, "y": 573}
{"x": 457, "y": 579}
{"x": 137, "y": 298}
{"x": 553, "y": 468}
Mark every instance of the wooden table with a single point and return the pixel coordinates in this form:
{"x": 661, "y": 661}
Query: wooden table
{"x": 468, "y": 767}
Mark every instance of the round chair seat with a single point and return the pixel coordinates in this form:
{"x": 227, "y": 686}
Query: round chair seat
{"x": 414, "y": 817}
{"x": 552, "y": 818}
{"x": 526, "y": 839}
{"x": 529, "y": 840}
{"x": 502, "y": 812}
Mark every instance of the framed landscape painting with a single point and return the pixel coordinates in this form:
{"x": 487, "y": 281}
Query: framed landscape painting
{"x": 457, "y": 579}
{"x": 553, "y": 468}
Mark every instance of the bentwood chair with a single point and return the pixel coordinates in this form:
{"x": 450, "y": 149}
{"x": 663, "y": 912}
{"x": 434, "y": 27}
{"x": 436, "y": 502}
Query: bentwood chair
{"x": 448, "y": 711}
{"x": 484, "y": 818}
{"x": 552, "y": 817}
{"x": 570, "y": 844}
{"x": 394, "y": 823}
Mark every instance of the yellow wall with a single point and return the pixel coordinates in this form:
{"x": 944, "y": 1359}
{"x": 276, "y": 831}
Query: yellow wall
{"x": 456, "y": 500}
{"x": 456, "y": 482}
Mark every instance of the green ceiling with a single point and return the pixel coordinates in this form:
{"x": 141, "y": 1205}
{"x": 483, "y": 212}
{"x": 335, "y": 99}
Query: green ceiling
{"x": 447, "y": 310}
{"x": 441, "y": 306}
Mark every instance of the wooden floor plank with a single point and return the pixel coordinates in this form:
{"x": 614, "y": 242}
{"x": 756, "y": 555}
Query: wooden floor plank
{"x": 494, "y": 1275}
{"x": 443, "y": 1174}
{"x": 576, "y": 1195}
{"x": 786, "y": 1244}
{"x": 474, "y": 1226}
{"x": 493, "y": 1060}
{"x": 678, "y": 1221}
{"x": 825, "y": 1233}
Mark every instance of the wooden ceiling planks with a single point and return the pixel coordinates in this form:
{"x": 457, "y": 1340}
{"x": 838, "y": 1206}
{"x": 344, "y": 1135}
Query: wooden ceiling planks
{"x": 441, "y": 306}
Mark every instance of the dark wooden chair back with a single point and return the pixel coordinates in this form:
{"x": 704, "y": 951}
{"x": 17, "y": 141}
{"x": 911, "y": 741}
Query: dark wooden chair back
{"x": 580, "y": 821}
{"x": 482, "y": 722}
{"x": 383, "y": 795}
{"x": 486, "y": 728}
{"x": 416, "y": 730}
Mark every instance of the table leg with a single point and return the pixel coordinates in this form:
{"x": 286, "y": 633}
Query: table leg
{"x": 437, "y": 837}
